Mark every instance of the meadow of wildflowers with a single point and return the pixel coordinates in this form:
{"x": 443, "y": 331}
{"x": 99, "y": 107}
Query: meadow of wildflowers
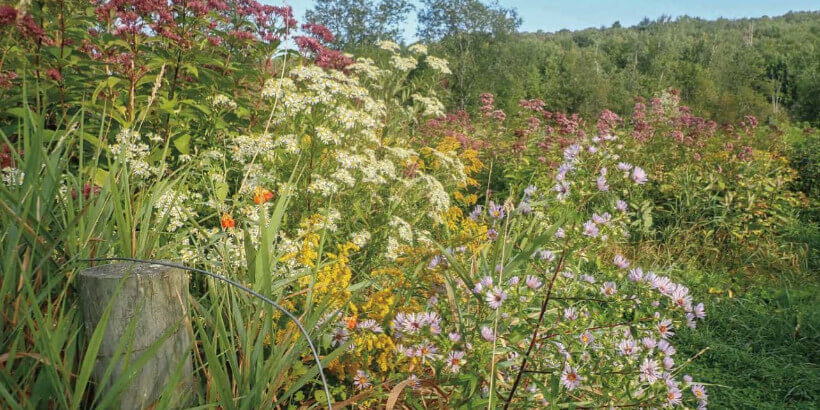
{"x": 438, "y": 258}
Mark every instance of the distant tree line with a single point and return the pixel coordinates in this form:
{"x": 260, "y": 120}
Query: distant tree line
{"x": 768, "y": 67}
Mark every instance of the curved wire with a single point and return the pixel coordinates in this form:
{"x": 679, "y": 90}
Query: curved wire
{"x": 251, "y": 292}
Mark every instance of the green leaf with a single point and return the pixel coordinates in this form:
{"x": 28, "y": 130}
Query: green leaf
{"x": 182, "y": 144}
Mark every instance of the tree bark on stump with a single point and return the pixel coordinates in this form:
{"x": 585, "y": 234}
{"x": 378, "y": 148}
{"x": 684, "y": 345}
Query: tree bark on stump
{"x": 154, "y": 298}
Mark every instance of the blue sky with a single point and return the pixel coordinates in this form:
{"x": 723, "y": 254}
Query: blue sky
{"x": 554, "y": 15}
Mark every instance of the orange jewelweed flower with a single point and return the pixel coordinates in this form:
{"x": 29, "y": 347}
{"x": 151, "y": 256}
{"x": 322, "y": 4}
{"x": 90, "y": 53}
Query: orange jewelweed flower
{"x": 262, "y": 195}
{"x": 227, "y": 221}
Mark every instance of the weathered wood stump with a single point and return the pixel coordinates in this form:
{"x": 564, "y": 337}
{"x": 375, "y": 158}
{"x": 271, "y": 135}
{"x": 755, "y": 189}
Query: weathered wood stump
{"x": 154, "y": 298}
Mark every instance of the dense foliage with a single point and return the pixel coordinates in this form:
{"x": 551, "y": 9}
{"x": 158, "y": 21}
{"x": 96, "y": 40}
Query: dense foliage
{"x": 514, "y": 255}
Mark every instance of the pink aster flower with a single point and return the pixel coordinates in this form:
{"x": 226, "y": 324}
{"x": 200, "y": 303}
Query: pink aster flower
{"x": 700, "y": 392}
{"x": 639, "y": 175}
{"x": 628, "y": 347}
{"x": 665, "y": 328}
{"x": 570, "y": 314}
{"x": 414, "y": 322}
{"x": 649, "y": 371}
{"x": 570, "y": 378}
{"x": 361, "y": 381}
{"x": 636, "y": 274}
{"x": 601, "y": 183}
{"x": 455, "y": 360}
{"x": 496, "y": 297}
{"x": 590, "y": 229}
{"x": 487, "y": 334}
{"x": 673, "y": 396}
{"x": 533, "y": 282}
{"x": 609, "y": 289}
{"x": 699, "y": 311}
{"x": 620, "y": 261}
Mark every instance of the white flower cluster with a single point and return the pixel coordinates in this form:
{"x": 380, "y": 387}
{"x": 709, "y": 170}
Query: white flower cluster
{"x": 223, "y": 101}
{"x": 388, "y": 45}
{"x": 403, "y": 63}
{"x": 431, "y": 106}
{"x": 438, "y": 64}
{"x": 131, "y": 150}
{"x": 418, "y": 48}
{"x": 171, "y": 204}
{"x": 12, "y": 176}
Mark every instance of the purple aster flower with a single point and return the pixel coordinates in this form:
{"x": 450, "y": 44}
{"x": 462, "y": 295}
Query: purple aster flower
{"x": 700, "y": 392}
{"x": 492, "y": 234}
{"x": 665, "y": 328}
{"x": 434, "y": 262}
{"x": 427, "y": 351}
{"x": 496, "y": 297}
{"x": 673, "y": 396}
{"x": 476, "y": 213}
{"x": 699, "y": 311}
{"x": 639, "y": 175}
{"x": 546, "y": 255}
{"x": 668, "y": 362}
{"x": 513, "y": 280}
{"x": 496, "y": 211}
{"x": 340, "y": 336}
{"x": 455, "y": 360}
{"x": 453, "y": 336}
{"x": 562, "y": 188}
{"x": 649, "y": 343}
{"x": 602, "y": 185}
{"x": 530, "y": 191}
{"x": 620, "y": 205}
{"x": 620, "y": 261}
{"x": 533, "y": 282}
{"x": 590, "y": 229}
{"x": 666, "y": 348}
{"x": 413, "y": 381}
{"x": 570, "y": 378}
{"x": 570, "y": 314}
{"x": 625, "y": 167}
{"x": 487, "y": 334}
{"x": 361, "y": 381}
{"x": 682, "y": 298}
{"x": 586, "y": 338}
{"x": 560, "y": 233}
{"x": 370, "y": 325}
{"x": 601, "y": 219}
{"x": 571, "y": 152}
{"x": 650, "y": 372}
{"x": 414, "y": 322}
{"x": 636, "y": 274}
{"x": 609, "y": 289}
{"x": 628, "y": 347}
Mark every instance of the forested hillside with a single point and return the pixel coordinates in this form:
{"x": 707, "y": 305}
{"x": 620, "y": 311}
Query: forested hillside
{"x": 767, "y": 67}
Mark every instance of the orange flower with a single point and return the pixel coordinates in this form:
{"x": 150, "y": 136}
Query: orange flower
{"x": 352, "y": 321}
{"x": 227, "y": 221}
{"x": 262, "y": 195}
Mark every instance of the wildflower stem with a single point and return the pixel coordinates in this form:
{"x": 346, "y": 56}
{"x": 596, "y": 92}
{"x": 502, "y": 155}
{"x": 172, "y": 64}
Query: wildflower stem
{"x": 534, "y": 337}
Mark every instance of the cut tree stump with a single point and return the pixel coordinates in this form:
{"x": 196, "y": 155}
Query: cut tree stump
{"x": 154, "y": 298}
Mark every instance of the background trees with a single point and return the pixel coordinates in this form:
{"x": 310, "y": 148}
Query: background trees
{"x": 361, "y": 22}
{"x": 725, "y": 69}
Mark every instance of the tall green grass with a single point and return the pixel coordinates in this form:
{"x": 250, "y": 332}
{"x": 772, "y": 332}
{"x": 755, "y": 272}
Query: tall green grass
{"x": 245, "y": 354}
